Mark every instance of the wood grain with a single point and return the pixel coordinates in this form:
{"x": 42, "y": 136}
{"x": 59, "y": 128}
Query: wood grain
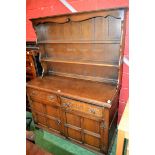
{"x": 78, "y": 94}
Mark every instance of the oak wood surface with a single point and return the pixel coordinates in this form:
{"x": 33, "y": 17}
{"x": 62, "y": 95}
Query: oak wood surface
{"x": 78, "y": 93}
{"x": 86, "y": 90}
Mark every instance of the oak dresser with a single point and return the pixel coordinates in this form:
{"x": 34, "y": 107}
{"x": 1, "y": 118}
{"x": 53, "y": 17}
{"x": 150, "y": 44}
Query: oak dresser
{"x": 77, "y": 95}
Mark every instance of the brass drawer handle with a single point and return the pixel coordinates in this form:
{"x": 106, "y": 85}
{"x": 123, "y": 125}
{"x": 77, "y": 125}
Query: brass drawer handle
{"x": 34, "y": 93}
{"x": 58, "y": 122}
{"x": 66, "y": 105}
{"x": 51, "y": 97}
{"x": 92, "y": 111}
{"x": 102, "y": 125}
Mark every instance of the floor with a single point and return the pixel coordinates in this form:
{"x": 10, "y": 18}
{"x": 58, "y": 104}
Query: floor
{"x": 32, "y": 149}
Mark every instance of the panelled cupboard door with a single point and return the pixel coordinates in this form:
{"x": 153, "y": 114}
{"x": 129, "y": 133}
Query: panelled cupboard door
{"x": 38, "y": 113}
{"x": 83, "y": 130}
{"x": 47, "y": 115}
{"x": 72, "y": 126}
{"x": 53, "y": 119}
{"x": 91, "y": 132}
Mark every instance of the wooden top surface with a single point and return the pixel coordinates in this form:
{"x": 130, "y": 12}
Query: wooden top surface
{"x": 32, "y": 149}
{"x": 87, "y": 91}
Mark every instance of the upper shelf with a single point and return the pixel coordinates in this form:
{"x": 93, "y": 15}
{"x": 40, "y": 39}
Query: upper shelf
{"x": 79, "y": 42}
{"x": 81, "y": 62}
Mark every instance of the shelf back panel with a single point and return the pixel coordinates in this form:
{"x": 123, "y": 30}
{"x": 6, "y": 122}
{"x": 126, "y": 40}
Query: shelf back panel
{"x": 91, "y": 36}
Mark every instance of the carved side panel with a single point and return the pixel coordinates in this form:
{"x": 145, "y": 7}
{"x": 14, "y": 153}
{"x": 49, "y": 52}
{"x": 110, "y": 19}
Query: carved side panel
{"x": 41, "y": 32}
{"x": 42, "y": 52}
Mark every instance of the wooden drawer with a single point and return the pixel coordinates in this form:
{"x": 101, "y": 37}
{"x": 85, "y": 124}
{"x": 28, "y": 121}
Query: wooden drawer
{"x": 38, "y": 95}
{"x": 69, "y": 104}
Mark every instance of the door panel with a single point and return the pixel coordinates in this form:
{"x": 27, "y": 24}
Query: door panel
{"x": 74, "y": 134}
{"x": 54, "y": 124}
{"x": 91, "y": 140}
{"x": 47, "y": 115}
{"x": 54, "y": 121}
{"x": 37, "y": 107}
{"x": 73, "y": 126}
{"x": 53, "y": 111}
{"x": 91, "y": 125}
{"x": 41, "y": 120}
{"x": 83, "y": 129}
{"x": 73, "y": 119}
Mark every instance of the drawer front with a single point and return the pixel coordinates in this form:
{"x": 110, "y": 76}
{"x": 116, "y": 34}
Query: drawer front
{"x": 42, "y": 96}
{"x": 69, "y": 104}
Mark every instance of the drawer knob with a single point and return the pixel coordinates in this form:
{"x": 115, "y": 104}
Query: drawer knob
{"x": 92, "y": 111}
{"x": 51, "y": 97}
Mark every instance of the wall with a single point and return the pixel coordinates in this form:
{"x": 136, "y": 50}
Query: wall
{"x": 41, "y": 8}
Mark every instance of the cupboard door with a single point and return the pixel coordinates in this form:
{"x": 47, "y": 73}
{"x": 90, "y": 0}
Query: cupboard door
{"x": 37, "y": 107}
{"x": 72, "y": 126}
{"x": 38, "y": 113}
{"x": 41, "y": 120}
{"x": 47, "y": 115}
{"x": 84, "y": 130}
{"x": 92, "y": 134}
{"x": 53, "y": 118}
